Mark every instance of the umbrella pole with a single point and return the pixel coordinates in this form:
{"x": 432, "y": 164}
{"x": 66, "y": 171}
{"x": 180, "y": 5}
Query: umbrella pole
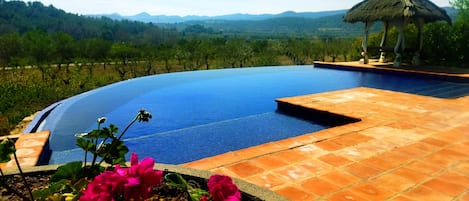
{"x": 365, "y": 42}
{"x": 382, "y": 57}
{"x": 399, "y": 44}
{"x": 416, "y": 61}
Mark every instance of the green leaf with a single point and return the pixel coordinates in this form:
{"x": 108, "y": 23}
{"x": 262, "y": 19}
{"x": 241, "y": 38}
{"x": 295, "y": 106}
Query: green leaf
{"x": 176, "y": 180}
{"x": 113, "y": 128}
{"x": 86, "y": 145}
{"x": 7, "y": 148}
{"x": 197, "y": 193}
{"x": 53, "y": 191}
{"x": 114, "y": 152}
{"x": 72, "y": 171}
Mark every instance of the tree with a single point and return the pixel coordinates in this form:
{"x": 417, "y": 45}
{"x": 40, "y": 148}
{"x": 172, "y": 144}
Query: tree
{"x": 96, "y": 49}
{"x": 463, "y": 9}
{"x": 10, "y": 49}
{"x": 64, "y": 46}
{"x": 38, "y": 46}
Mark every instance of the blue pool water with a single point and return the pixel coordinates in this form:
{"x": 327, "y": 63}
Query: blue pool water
{"x": 205, "y": 113}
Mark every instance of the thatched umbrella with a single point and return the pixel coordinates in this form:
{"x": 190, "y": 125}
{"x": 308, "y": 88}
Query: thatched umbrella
{"x": 397, "y": 13}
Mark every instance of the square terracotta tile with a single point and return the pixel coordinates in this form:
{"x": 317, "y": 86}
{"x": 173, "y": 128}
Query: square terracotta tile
{"x": 346, "y": 195}
{"x": 371, "y": 191}
{"x": 251, "y": 152}
{"x": 352, "y": 139}
{"x": 411, "y": 150}
{"x": 270, "y": 162}
{"x": 427, "y": 194}
{"x": 291, "y": 156}
{"x": 225, "y": 159}
{"x": 319, "y": 186}
{"x": 396, "y": 158}
{"x": 295, "y": 194}
{"x": 412, "y": 175}
{"x": 445, "y": 158}
{"x": 402, "y": 198}
{"x": 245, "y": 169}
{"x": 340, "y": 178}
{"x": 465, "y": 197}
{"x": 334, "y": 160}
{"x": 379, "y": 162}
{"x": 329, "y": 145}
{"x": 460, "y": 148}
{"x": 316, "y": 167}
{"x": 203, "y": 164}
{"x": 267, "y": 180}
{"x": 424, "y": 167}
{"x": 294, "y": 173}
{"x": 393, "y": 182}
{"x": 424, "y": 147}
{"x": 223, "y": 171}
{"x": 359, "y": 152}
{"x": 462, "y": 167}
{"x": 455, "y": 178}
{"x": 446, "y": 187}
{"x": 362, "y": 171}
{"x": 435, "y": 142}
{"x": 29, "y": 152}
{"x": 324, "y": 134}
{"x": 31, "y": 141}
{"x": 311, "y": 151}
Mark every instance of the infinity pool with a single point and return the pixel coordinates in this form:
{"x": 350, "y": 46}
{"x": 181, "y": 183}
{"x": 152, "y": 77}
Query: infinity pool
{"x": 204, "y": 113}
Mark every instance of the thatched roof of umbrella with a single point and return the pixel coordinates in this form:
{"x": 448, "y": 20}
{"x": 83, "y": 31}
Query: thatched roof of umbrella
{"x": 386, "y": 10}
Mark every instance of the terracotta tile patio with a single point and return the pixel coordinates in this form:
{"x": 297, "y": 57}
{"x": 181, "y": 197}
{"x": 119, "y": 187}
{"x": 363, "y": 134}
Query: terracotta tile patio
{"x": 406, "y": 147}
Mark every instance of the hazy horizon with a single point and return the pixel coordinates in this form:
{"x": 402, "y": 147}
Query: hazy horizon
{"x": 201, "y": 7}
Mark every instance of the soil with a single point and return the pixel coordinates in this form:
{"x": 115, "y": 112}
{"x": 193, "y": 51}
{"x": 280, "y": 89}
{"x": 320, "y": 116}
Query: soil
{"x": 15, "y": 183}
{"x": 40, "y": 180}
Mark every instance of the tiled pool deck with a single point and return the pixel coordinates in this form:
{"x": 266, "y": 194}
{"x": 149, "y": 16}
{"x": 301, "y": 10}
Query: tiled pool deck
{"x": 406, "y": 147}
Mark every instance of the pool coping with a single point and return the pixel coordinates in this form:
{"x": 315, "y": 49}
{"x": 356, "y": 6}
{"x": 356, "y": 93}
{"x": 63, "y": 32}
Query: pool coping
{"x": 387, "y": 68}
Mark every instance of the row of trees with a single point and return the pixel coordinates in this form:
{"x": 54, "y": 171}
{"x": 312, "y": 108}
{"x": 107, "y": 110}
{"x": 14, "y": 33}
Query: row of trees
{"x": 40, "y": 49}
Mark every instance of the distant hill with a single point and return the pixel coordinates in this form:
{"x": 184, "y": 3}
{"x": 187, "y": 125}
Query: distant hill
{"x": 20, "y": 17}
{"x": 170, "y": 19}
{"x": 321, "y": 24}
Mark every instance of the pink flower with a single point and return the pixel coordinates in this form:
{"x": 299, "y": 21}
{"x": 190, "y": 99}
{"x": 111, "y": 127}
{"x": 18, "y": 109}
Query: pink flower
{"x": 222, "y": 188}
{"x": 140, "y": 178}
{"x": 204, "y": 198}
{"x": 135, "y": 182}
{"x": 103, "y": 187}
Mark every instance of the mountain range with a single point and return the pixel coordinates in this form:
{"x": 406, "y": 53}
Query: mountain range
{"x": 169, "y": 19}
{"x": 290, "y": 23}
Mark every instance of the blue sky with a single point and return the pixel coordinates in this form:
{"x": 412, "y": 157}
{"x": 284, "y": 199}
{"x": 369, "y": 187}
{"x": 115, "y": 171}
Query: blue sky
{"x": 202, "y": 7}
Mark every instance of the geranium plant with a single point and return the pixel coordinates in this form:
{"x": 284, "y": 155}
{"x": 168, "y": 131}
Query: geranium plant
{"x": 82, "y": 180}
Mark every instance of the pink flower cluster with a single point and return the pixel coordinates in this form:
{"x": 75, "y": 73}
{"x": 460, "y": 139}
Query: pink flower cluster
{"x": 222, "y": 188}
{"x": 133, "y": 183}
